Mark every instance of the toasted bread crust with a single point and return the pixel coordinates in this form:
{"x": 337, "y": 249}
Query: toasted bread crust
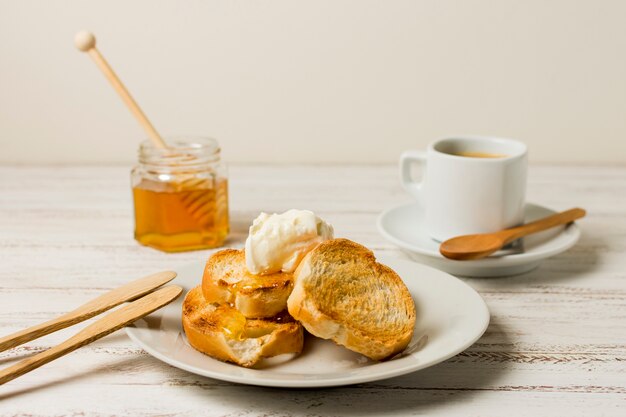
{"x": 227, "y": 280}
{"x": 341, "y": 293}
{"x": 207, "y": 327}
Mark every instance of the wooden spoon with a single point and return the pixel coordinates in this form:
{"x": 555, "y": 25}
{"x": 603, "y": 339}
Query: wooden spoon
{"x": 470, "y": 247}
{"x": 117, "y": 296}
{"x": 104, "y": 326}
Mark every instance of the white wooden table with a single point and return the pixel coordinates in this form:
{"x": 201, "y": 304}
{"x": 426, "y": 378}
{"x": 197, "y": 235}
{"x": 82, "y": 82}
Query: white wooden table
{"x": 556, "y": 344}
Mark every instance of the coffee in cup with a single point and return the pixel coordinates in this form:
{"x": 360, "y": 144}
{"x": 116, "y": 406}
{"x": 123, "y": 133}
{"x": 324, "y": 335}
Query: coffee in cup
{"x": 472, "y": 184}
{"x": 473, "y": 154}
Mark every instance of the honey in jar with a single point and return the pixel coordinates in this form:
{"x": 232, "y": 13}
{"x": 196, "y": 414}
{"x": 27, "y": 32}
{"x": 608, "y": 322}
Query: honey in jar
{"x": 180, "y": 195}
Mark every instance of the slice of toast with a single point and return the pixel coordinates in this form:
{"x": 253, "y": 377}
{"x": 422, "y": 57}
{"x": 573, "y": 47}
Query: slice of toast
{"x": 222, "y": 332}
{"x": 226, "y": 280}
{"x": 341, "y": 293}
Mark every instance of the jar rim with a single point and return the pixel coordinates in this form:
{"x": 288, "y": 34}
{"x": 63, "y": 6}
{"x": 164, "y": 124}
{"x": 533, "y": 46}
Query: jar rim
{"x": 184, "y": 143}
{"x": 182, "y": 151}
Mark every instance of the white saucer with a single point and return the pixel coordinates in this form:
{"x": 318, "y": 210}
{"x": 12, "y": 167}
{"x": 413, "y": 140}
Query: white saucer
{"x": 404, "y": 226}
{"x": 451, "y": 316}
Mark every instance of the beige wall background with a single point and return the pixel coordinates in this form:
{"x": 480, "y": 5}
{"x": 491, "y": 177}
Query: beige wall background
{"x": 315, "y": 81}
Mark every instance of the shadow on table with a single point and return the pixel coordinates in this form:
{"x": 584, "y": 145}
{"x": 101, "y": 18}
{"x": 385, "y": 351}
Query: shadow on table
{"x": 570, "y": 265}
{"x": 455, "y": 380}
{"x": 24, "y": 352}
{"x": 18, "y": 354}
{"x": 9, "y": 391}
{"x": 458, "y": 379}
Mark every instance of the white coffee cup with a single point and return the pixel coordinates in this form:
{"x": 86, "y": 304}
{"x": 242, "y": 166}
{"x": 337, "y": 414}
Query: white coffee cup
{"x": 468, "y": 194}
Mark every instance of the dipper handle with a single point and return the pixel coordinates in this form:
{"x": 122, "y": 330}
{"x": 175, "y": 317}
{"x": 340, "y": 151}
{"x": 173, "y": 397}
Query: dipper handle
{"x": 86, "y": 42}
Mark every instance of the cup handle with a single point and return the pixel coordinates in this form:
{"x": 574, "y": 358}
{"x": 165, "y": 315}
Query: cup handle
{"x": 407, "y": 159}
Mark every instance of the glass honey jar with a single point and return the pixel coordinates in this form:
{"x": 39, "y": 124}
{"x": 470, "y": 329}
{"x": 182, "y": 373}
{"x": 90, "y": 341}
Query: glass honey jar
{"x": 180, "y": 194}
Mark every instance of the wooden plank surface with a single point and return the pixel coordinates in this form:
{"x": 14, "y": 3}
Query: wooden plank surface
{"x": 556, "y": 344}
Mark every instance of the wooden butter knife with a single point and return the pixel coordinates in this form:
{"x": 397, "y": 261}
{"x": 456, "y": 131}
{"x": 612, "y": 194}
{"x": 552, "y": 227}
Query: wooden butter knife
{"x": 119, "y": 295}
{"x": 102, "y": 327}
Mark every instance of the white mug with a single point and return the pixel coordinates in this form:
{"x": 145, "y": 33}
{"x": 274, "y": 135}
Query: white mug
{"x": 463, "y": 194}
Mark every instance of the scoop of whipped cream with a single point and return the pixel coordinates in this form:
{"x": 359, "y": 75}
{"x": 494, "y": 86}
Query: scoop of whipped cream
{"x": 278, "y": 242}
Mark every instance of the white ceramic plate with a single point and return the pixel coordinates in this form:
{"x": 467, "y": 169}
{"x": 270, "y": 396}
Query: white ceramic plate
{"x": 451, "y": 316}
{"x": 404, "y": 226}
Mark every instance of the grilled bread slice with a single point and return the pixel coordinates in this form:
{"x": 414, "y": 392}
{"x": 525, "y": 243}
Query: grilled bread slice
{"x": 226, "y": 280}
{"x": 222, "y": 332}
{"x": 341, "y": 293}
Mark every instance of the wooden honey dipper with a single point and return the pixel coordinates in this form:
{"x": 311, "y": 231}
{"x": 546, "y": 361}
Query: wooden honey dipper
{"x": 200, "y": 208}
